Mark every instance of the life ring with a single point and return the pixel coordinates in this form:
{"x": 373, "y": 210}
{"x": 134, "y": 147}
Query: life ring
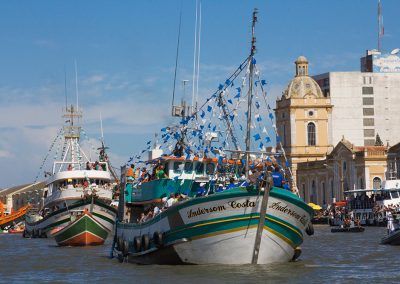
{"x": 310, "y": 229}
{"x": 145, "y": 242}
{"x": 158, "y": 239}
{"x": 137, "y": 243}
{"x": 125, "y": 250}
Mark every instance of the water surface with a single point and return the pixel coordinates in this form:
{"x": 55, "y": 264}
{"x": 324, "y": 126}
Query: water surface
{"x": 327, "y": 257}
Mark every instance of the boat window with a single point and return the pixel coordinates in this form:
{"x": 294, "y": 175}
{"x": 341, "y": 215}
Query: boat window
{"x": 188, "y": 167}
{"x": 177, "y": 167}
{"x": 200, "y": 168}
{"x": 394, "y": 194}
{"x": 210, "y": 168}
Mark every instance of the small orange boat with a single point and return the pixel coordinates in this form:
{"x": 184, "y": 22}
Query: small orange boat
{"x": 8, "y": 219}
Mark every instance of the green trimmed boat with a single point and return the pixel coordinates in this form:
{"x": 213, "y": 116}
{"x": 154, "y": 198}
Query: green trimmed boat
{"x": 200, "y": 210}
{"x": 84, "y": 231}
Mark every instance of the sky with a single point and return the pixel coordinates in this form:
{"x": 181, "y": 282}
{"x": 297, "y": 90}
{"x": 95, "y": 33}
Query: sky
{"x": 125, "y": 54}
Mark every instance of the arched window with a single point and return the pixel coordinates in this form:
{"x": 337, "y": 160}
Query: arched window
{"x": 311, "y": 133}
{"x": 377, "y": 182}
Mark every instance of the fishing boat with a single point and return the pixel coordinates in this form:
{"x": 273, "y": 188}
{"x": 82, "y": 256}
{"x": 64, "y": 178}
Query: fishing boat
{"x": 7, "y": 219}
{"x": 355, "y": 229}
{"x": 77, "y": 189}
{"x": 203, "y": 206}
{"x": 392, "y": 238}
{"x": 370, "y": 206}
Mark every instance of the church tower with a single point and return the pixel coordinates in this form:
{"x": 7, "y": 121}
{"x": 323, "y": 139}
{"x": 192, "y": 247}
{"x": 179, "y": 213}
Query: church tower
{"x": 303, "y": 117}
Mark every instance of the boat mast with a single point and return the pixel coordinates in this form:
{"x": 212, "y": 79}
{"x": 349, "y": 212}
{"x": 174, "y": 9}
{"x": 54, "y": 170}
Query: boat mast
{"x": 250, "y": 93}
{"x": 72, "y": 135}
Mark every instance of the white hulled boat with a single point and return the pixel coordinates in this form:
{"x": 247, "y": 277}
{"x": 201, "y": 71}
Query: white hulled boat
{"x": 76, "y": 207}
{"x": 211, "y": 217}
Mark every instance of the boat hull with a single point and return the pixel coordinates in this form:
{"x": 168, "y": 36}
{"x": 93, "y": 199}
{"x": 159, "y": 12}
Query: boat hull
{"x": 392, "y": 239}
{"x": 15, "y": 217}
{"x": 221, "y": 228}
{"x": 84, "y": 231}
{"x": 348, "y": 230}
{"x": 59, "y": 219}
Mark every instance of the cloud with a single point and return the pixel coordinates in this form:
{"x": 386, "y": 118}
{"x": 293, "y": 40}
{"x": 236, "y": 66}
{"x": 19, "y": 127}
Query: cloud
{"x": 5, "y": 154}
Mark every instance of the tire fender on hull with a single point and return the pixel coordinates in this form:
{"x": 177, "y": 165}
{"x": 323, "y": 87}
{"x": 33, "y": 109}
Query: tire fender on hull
{"x": 125, "y": 249}
{"x": 137, "y": 244}
{"x": 145, "y": 242}
{"x": 310, "y": 229}
{"x": 158, "y": 239}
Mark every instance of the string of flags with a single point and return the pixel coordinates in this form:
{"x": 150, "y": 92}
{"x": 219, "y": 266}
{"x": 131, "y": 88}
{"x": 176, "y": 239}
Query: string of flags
{"x": 224, "y": 105}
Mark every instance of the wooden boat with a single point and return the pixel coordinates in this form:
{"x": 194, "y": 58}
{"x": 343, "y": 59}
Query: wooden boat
{"x": 205, "y": 219}
{"x": 14, "y": 217}
{"x": 84, "y": 231}
{"x": 348, "y": 230}
{"x": 76, "y": 185}
{"x": 393, "y": 238}
{"x": 19, "y": 230}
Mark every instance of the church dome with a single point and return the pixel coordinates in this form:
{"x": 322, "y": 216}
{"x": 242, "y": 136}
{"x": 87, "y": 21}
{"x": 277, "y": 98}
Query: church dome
{"x": 302, "y": 84}
{"x": 301, "y": 59}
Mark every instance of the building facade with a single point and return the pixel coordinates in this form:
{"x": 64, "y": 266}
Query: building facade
{"x": 303, "y": 116}
{"x": 328, "y": 126}
{"x": 347, "y": 167}
{"x": 365, "y": 103}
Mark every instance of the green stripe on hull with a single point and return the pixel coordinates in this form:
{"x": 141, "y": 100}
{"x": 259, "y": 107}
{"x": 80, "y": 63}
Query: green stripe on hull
{"x": 77, "y": 204}
{"x": 85, "y": 223}
{"x": 226, "y": 225}
{"x": 236, "y": 192}
{"x": 103, "y": 217}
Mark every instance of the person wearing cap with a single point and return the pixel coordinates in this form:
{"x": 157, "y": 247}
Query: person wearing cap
{"x": 201, "y": 190}
{"x": 277, "y": 177}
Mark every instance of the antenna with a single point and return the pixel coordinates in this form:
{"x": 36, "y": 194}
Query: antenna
{"x": 176, "y": 59}
{"x": 65, "y": 88}
{"x": 195, "y": 51}
{"x": 381, "y": 29}
{"x": 101, "y": 129}
{"x": 76, "y": 86}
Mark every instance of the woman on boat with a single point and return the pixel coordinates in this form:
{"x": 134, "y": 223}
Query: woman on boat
{"x": 160, "y": 173}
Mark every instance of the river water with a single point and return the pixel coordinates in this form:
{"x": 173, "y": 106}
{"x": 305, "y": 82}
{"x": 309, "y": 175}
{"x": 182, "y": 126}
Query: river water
{"x": 327, "y": 257}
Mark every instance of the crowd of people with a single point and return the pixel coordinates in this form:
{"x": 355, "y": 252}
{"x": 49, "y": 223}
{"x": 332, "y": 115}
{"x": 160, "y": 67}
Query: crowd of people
{"x": 156, "y": 209}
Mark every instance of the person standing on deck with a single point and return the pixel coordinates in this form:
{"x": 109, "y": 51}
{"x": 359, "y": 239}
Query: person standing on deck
{"x": 160, "y": 173}
{"x": 390, "y": 225}
{"x": 277, "y": 177}
{"x": 130, "y": 171}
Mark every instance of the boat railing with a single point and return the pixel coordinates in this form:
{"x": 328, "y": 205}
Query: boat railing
{"x": 358, "y": 204}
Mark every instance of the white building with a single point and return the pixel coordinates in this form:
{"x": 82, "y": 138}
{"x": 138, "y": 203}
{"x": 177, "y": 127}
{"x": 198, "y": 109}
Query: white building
{"x": 365, "y": 103}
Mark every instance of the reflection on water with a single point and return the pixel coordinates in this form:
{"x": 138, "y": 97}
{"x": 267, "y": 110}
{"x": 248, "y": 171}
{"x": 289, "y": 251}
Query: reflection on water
{"x": 327, "y": 257}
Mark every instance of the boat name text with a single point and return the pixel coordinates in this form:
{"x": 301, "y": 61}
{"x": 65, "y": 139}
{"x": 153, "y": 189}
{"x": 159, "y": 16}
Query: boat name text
{"x": 282, "y": 207}
{"x": 218, "y": 208}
